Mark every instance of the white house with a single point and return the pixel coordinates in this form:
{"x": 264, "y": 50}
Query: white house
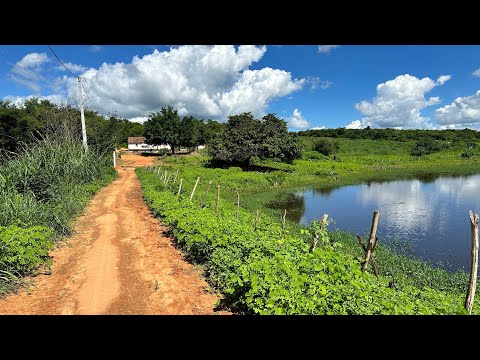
{"x": 138, "y": 144}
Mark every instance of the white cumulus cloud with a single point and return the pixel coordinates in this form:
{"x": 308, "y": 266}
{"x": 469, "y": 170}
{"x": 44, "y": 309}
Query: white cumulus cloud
{"x": 356, "y": 124}
{"x": 318, "y": 128}
{"x": 398, "y": 103}
{"x": 476, "y": 73}
{"x": 461, "y": 112}
{"x": 443, "y": 79}
{"x": 315, "y": 82}
{"x": 203, "y": 81}
{"x": 27, "y": 70}
{"x": 297, "y": 121}
{"x": 75, "y": 68}
{"x": 325, "y": 49}
{"x": 20, "y": 100}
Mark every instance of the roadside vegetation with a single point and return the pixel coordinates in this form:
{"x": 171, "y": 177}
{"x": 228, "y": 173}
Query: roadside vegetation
{"x": 44, "y": 184}
{"x": 24, "y": 125}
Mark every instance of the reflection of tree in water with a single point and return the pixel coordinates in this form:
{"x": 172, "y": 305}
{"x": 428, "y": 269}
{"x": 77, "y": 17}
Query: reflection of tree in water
{"x": 427, "y": 178}
{"x": 324, "y": 191}
{"x": 295, "y": 205}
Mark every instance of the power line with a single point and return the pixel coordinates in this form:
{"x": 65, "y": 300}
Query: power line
{"x": 81, "y": 78}
{"x": 61, "y": 61}
{"x": 88, "y": 97}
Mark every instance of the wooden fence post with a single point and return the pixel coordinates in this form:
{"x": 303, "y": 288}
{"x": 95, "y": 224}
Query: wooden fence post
{"x": 238, "y": 204}
{"x": 193, "y": 191}
{"x": 202, "y": 203}
{"x": 283, "y": 220}
{"x": 218, "y": 199}
{"x": 168, "y": 179}
{"x": 180, "y": 187}
{"x": 114, "y": 159}
{"x": 315, "y": 239}
{"x": 257, "y": 217}
{"x": 472, "y": 285}
{"x": 372, "y": 257}
{"x": 372, "y": 241}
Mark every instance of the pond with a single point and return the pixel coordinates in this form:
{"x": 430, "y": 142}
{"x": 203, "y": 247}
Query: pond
{"x": 429, "y": 213}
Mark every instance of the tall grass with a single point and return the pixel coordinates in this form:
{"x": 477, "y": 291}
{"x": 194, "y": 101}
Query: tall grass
{"x": 46, "y": 185}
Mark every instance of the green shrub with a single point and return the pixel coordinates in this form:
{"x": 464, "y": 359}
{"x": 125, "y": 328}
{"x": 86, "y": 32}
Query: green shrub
{"x": 24, "y": 249}
{"x": 425, "y": 146}
{"x": 313, "y": 155}
{"x": 327, "y": 147}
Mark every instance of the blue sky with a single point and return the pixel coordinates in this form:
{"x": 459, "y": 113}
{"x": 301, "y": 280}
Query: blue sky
{"x": 418, "y": 86}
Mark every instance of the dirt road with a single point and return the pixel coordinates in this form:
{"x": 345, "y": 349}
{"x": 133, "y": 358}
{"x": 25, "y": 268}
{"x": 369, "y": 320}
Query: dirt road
{"x": 118, "y": 262}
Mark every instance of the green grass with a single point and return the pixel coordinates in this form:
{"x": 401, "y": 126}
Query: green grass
{"x": 357, "y": 161}
{"x": 41, "y": 192}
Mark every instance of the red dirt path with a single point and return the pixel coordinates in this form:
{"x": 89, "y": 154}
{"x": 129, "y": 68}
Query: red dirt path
{"x": 118, "y": 262}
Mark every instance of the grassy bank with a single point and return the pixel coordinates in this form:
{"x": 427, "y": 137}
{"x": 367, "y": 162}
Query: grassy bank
{"x": 266, "y": 272}
{"x": 357, "y": 161}
{"x": 41, "y": 192}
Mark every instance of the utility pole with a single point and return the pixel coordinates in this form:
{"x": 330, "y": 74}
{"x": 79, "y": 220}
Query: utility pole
{"x": 82, "y": 115}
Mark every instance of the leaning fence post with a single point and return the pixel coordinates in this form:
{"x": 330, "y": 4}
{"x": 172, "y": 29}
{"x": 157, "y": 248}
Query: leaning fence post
{"x": 257, "y": 217}
{"x": 202, "y": 203}
{"x": 180, "y": 187}
{"x": 315, "y": 238}
{"x": 218, "y": 199}
{"x": 371, "y": 242}
{"x": 193, "y": 191}
{"x": 474, "y": 263}
{"x": 168, "y": 179}
{"x": 374, "y": 264}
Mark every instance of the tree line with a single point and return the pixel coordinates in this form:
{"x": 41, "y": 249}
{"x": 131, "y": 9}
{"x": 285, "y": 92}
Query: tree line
{"x": 22, "y": 125}
{"x": 395, "y": 134}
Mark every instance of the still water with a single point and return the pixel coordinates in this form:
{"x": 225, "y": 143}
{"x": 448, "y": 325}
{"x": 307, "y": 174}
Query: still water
{"x": 429, "y": 213}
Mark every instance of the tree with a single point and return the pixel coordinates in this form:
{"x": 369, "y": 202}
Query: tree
{"x": 191, "y": 132}
{"x": 211, "y": 129}
{"x": 246, "y": 137}
{"x": 240, "y": 140}
{"x": 16, "y": 127}
{"x": 276, "y": 143}
{"x": 163, "y": 128}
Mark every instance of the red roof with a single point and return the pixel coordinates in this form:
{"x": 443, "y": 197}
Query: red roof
{"x": 136, "y": 140}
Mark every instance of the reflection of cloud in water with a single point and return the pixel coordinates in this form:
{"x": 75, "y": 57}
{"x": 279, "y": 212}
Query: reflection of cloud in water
{"x": 417, "y": 208}
{"x": 403, "y": 206}
{"x": 432, "y": 214}
{"x": 461, "y": 188}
